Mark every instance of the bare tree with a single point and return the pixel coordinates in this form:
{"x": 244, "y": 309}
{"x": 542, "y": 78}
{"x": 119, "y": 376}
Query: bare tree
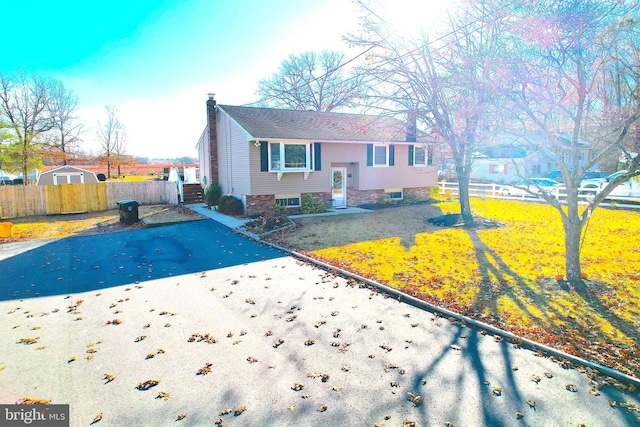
{"x": 66, "y": 133}
{"x": 311, "y": 81}
{"x": 120, "y": 156}
{"x": 445, "y": 81}
{"x": 112, "y": 137}
{"x": 23, "y": 103}
{"x": 576, "y": 74}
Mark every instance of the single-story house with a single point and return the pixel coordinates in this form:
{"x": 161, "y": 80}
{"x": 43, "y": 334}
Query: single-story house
{"x": 265, "y": 156}
{"x": 66, "y": 175}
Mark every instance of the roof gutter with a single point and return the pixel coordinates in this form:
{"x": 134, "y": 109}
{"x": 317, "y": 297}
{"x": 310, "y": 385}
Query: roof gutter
{"x": 337, "y": 141}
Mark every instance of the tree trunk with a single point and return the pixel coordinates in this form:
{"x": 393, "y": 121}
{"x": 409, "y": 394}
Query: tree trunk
{"x": 24, "y": 173}
{"x": 463, "y": 196}
{"x": 25, "y": 167}
{"x": 572, "y": 235}
{"x": 24, "y": 159}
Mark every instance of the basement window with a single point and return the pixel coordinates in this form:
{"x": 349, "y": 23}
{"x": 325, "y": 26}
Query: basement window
{"x": 288, "y": 201}
{"x": 394, "y": 194}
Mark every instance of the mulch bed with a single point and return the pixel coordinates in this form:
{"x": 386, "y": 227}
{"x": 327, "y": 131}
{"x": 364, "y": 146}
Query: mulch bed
{"x": 456, "y": 220}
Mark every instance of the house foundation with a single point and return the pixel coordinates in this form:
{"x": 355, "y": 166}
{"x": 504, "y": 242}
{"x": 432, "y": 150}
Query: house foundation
{"x": 362, "y": 197}
{"x": 257, "y": 205}
{"x": 324, "y": 198}
{"x": 423, "y": 193}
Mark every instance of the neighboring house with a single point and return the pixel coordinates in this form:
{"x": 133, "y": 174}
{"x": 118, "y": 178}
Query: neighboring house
{"x": 66, "y": 175}
{"x": 502, "y": 164}
{"x": 507, "y": 162}
{"x": 266, "y": 156}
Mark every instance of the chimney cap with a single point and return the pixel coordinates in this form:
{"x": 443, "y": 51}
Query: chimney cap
{"x": 211, "y": 95}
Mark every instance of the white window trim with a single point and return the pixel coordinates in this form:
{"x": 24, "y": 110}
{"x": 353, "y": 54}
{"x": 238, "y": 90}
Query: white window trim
{"x": 309, "y": 147}
{"x": 426, "y": 156}
{"x": 386, "y": 156}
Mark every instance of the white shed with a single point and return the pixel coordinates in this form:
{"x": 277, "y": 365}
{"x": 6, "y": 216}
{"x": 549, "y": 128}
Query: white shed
{"x": 67, "y": 175}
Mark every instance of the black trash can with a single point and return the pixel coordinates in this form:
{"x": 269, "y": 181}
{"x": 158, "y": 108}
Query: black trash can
{"x": 128, "y": 211}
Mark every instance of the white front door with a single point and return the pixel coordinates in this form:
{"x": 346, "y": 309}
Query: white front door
{"x": 339, "y": 187}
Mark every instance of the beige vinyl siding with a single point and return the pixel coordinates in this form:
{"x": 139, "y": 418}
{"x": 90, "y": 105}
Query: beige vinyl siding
{"x": 354, "y": 157}
{"x": 233, "y": 155}
{"x": 290, "y": 183}
{"x": 401, "y": 175}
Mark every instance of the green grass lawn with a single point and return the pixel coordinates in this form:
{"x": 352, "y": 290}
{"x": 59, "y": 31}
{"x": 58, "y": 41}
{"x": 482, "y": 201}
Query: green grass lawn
{"x": 503, "y": 276}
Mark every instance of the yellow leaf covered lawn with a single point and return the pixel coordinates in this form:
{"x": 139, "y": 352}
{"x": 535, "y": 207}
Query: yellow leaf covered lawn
{"x": 505, "y": 276}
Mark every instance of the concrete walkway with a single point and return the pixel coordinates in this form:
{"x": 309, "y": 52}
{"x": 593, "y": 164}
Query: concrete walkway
{"x": 232, "y": 222}
{"x": 229, "y": 221}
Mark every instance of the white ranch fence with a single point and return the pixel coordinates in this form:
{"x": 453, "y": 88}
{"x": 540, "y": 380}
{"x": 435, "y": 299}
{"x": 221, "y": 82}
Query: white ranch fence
{"x": 493, "y": 190}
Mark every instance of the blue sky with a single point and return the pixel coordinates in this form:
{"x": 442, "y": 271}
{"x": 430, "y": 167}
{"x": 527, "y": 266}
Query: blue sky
{"x": 157, "y": 60}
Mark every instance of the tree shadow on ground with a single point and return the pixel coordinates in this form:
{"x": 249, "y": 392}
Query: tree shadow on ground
{"x": 496, "y": 278}
{"x": 577, "y": 335}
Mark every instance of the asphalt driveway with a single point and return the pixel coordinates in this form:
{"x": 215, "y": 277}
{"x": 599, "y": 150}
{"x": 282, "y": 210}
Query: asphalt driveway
{"x": 85, "y": 263}
{"x": 243, "y": 326}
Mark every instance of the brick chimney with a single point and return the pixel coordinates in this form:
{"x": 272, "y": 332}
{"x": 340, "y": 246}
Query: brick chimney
{"x": 213, "y": 139}
{"x": 411, "y": 125}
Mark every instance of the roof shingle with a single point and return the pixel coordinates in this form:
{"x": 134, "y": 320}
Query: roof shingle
{"x": 269, "y": 124}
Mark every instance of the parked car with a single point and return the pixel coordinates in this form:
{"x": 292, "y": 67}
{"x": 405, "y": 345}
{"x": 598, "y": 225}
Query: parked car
{"x": 593, "y": 176}
{"x": 555, "y": 175}
{"x": 597, "y": 183}
{"x": 511, "y": 191}
{"x": 532, "y": 184}
{"x": 629, "y": 188}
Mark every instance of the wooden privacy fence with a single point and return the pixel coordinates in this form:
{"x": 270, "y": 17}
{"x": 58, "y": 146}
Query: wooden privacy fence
{"x": 145, "y": 193}
{"x": 75, "y": 198}
{"x": 18, "y": 201}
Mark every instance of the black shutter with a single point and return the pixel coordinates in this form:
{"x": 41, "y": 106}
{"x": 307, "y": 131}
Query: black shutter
{"x": 392, "y": 154}
{"x": 369, "y": 154}
{"x": 317, "y": 161}
{"x": 411, "y": 155}
{"x": 264, "y": 156}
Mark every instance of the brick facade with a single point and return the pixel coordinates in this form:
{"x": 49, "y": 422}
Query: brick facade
{"x": 256, "y": 205}
{"x": 362, "y": 197}
{"x": 357, "y": 198}
{"x": 423, "y": 193}
{"x": 320, "y": 197}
